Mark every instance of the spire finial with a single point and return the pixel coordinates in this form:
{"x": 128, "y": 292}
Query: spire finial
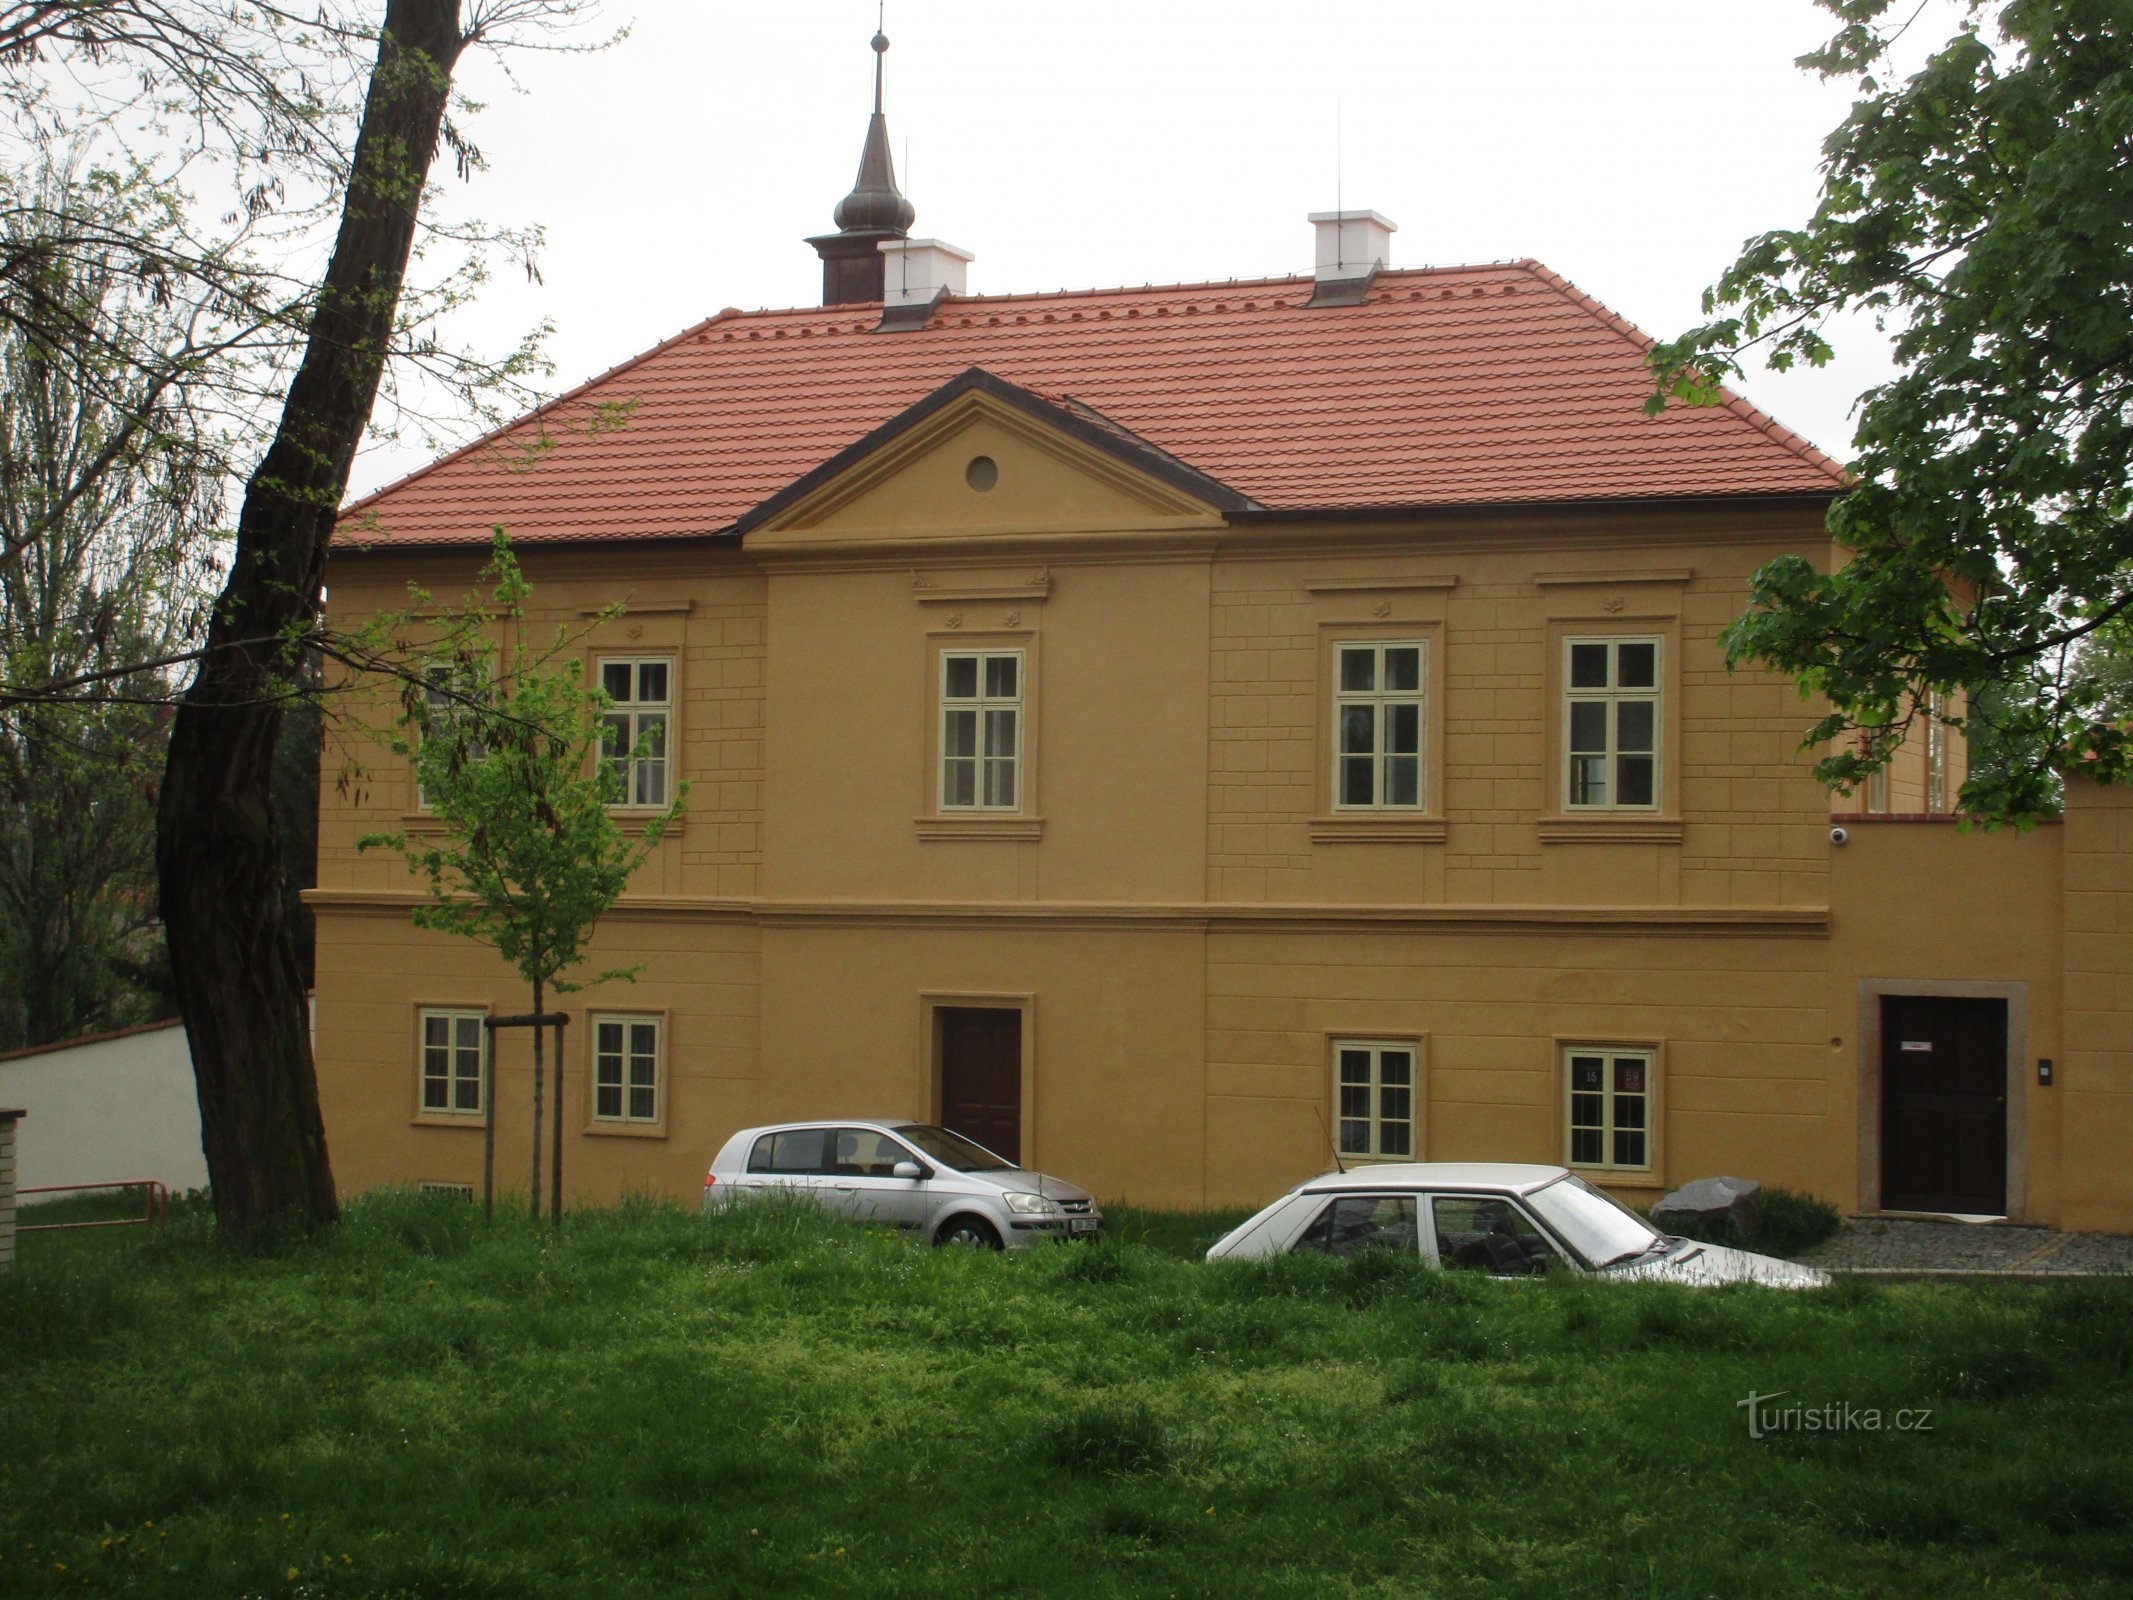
{"x": 874, "y": 211}
{"x": 881, "y": 48}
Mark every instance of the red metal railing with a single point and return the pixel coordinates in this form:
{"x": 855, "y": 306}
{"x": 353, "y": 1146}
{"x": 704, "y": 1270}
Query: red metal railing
{"x": 155, "y": 1206}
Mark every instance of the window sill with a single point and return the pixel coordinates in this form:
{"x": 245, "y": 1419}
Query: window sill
{"x": 1376, "y": 827}
{"x": 472, "y": 1121}
{"x": 630, "y": 822}
{"x": 1620, "y": 1177}
{"x": 600, "y": 1128}
{"x": 980, "y": 825}
{"x": 1610, "y": 830}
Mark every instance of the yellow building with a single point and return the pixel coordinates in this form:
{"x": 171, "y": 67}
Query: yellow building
{"x": 1169, "y": 732}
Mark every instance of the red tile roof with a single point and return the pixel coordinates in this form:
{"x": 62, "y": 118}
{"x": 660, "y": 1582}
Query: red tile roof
{"x": 1445, "y": 387}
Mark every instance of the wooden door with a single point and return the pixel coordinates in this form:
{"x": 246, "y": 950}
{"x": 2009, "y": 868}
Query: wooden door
{"x": 981, "y": 1076}
{"x": 1943, "y": 1104}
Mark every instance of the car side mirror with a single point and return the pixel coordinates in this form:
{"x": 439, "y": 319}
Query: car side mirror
{"x": 907, "y": 1169}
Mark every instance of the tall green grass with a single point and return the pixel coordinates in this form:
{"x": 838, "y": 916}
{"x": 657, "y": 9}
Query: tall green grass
{"x": 653, "y": 1403}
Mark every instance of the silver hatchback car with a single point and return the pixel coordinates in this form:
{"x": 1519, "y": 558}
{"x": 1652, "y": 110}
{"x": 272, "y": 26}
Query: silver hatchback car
{"x": 947, "y": 1188}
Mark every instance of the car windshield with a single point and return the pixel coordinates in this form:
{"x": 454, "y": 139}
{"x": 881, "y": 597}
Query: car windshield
{"x": 952, "y": 1149}
{"x": 1600, "y": 1229}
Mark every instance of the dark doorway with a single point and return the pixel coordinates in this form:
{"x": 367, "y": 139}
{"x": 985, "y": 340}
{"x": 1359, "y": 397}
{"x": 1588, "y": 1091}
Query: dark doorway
{"x": 1943, "y": 1104}
{"x": 981, "y": 1076}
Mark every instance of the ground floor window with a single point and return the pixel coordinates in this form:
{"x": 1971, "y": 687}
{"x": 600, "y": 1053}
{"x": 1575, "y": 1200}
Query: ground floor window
{"x": 1374, "y": 1098}
{"x": 626, "y": 1068}
{"x": 450, "y": 1062}
{"x": 1609, "y": 1092}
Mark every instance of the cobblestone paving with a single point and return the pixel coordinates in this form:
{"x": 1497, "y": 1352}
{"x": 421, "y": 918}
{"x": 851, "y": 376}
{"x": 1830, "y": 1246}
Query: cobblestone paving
{"x": 1901, "y": 1244}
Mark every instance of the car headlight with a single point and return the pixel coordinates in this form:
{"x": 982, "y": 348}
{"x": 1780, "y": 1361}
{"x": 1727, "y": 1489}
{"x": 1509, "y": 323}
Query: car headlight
{"x": 1032, "y": 1205}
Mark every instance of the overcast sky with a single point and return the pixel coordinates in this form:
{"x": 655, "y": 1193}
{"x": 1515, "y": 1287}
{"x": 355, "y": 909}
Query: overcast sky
{"x": 1629, "y": 144}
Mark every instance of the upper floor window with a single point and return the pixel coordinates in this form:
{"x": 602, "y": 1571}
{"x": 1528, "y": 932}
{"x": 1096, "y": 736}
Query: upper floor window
{"x": 1378, "y": 692}
{"x": 633, "y": 731}
{"x": 1611, "y": 723}
{"x": 1936, "y": 751}
{"x": 451, "y": 695}
{"x": 981, "y": 730}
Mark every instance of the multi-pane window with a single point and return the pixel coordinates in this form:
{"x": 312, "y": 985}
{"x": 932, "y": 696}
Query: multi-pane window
{"x": 1936, "y": 752}
{"x": 625, "y": 1069}
{"x": 1610, "y": 1107}
{"x": 1374, "y": 1099}
{"x": 451, "y": 1062}
{"x": 981, "y": 730}
{"x": 1377, "y": 720}
{"x": 633, "y": 729}
{"x": 451, "y": 696}
{"x": 1611, "y": 718}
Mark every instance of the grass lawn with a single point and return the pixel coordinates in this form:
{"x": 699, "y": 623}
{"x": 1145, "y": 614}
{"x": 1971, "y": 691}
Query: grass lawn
{"x": 652, "y": 1404}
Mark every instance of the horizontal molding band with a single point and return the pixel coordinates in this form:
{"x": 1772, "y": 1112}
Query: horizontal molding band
{"x": 1796, "y": 922}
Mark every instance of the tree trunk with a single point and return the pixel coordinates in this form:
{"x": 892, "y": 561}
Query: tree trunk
{"x": 233, "y": 952}
{"x": 536, "y": 1101}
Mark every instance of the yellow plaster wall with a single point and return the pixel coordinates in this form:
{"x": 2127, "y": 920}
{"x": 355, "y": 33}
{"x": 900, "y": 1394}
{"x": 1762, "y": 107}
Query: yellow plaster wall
{"x": 702, "y": 976}
{"x": 2096, "y": 1083}
{"x": 1739, "y": 1022}
{"x": 1176, "y": 762}
{"x": 1926, "y": 903}
{"x": 1115, "y": 1037}
{"x": 1115, "y": 733}
{"x": 1496, "y": 602}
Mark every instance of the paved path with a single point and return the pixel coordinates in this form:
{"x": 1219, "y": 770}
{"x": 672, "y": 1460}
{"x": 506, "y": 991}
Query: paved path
{"x": 1899, "y": 1245}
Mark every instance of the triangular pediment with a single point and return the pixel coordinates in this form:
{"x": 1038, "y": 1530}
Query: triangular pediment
{"x": 982, "y": 457}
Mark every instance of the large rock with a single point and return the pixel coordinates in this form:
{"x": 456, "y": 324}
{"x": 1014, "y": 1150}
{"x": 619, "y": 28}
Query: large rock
{"x": 1711, "y": 1205}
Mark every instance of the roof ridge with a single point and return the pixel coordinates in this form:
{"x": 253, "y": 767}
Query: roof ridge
{"x": 862, "y": 310}
{"x": 1799, "y": 444}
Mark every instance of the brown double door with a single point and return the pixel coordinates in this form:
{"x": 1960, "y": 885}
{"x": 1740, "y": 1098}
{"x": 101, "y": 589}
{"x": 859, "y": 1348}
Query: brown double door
{"x": 1943, "y": 1104}
{"x": 981, "y": 1076}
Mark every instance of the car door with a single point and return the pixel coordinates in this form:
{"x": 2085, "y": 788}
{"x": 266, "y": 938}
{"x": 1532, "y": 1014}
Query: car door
{"x": 791, "y": 1161}
{"x": 1349, "y": 1224}
{"x": 862, "y": 1182}
{"x": 1489, "y": 1233}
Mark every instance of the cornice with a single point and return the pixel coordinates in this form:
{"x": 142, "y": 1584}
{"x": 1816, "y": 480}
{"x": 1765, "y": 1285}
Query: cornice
{"x": 1805, "y": 922}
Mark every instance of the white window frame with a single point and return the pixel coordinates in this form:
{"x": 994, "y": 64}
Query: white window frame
{"x": 624, "y": 1058}
{"x": 984, "y": 707}
{"x": 634, "y": 715}
{"x": 1375, "y": 1118}
{"x": 454, "y": 1046}
{"x": 1610, "y": 1095}
{"x": 1936, "y": 753}
{"x": 436, "y": 675}
{"x": 1378, "y": 699}
{"x": 1613, "y": 694}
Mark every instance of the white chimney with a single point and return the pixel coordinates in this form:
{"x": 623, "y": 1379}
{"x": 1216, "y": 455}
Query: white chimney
{"x": 1352, "y": 245}
{"x": 916, "y": 272}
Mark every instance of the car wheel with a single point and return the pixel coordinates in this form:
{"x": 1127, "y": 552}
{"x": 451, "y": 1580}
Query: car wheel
{"x": 972, "y": 1233}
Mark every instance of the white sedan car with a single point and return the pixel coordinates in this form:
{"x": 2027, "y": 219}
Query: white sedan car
{"x": 1506, "y": 1220}
{"x": 944, "y": 1187}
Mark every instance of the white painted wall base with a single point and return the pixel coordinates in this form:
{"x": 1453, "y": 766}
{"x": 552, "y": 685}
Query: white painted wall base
{"x": 104, "y": 1109}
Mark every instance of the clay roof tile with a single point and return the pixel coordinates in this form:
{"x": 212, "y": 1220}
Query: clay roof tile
{"x": 1444, "y": 387}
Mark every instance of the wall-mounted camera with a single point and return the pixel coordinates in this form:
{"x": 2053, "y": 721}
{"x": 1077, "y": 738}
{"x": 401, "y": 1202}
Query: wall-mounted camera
{"x": 1838, "y": 836}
